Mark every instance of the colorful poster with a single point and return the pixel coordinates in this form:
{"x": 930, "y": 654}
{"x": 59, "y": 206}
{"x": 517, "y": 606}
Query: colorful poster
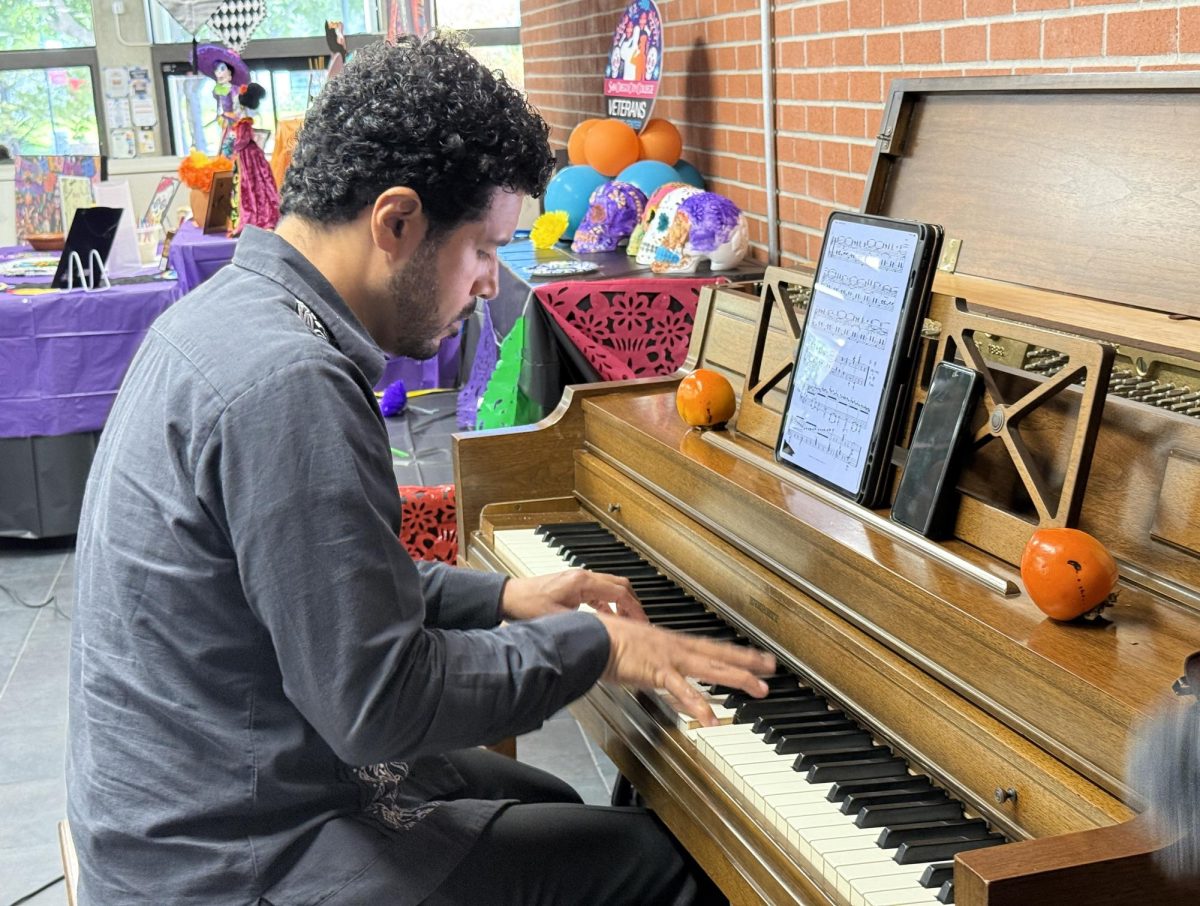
{"x": 35, "y": 183}
{"x": 634, "y": 65}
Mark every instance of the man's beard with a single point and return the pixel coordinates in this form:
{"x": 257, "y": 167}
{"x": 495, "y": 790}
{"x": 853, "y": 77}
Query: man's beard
{"x": 415, "y": 293}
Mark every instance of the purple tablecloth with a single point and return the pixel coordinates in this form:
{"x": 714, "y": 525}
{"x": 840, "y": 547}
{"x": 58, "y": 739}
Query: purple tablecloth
{"x": 195, "y": 256}
{"x": 63, "y": 354}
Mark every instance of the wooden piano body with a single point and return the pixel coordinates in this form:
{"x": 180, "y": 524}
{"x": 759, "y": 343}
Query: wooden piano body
{"x": 1072, "y": 213}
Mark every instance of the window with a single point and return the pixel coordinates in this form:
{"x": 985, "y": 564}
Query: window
{"x": 478, "y": 14}
{"x": 193, "y": 111}
{"x": 505, "y": 57}
{"x": 46, "y": 24}
{"x": 288, "y": 19}
{"x": 48, "y": 94}
{"x": 48, "y": 111}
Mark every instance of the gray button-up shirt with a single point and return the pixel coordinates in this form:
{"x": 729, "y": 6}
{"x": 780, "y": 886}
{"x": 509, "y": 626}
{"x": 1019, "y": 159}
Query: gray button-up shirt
{"x": 248, "y": 626}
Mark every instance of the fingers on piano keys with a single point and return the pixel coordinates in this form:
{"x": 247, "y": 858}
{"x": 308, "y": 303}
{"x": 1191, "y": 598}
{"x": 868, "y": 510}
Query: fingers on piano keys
{"x": 849, "y": 806}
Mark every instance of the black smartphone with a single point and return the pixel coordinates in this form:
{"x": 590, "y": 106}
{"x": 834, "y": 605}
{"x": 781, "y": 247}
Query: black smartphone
{"x": 856, "y": 356}
{"x": 925, "y": 497}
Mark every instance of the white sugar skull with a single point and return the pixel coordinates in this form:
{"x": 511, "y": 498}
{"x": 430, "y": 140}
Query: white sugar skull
{"x": 656, "y": 229}
{"x": 705, "y": 225}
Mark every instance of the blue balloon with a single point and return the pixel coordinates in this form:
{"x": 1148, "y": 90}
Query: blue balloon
{"x": 648, "y": 175}
{"x": 569, "y": 190}
{"x": 689, "y": 174}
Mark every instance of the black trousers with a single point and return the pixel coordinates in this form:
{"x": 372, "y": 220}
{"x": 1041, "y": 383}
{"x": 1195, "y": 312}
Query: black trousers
{"x": 553, "y": 849}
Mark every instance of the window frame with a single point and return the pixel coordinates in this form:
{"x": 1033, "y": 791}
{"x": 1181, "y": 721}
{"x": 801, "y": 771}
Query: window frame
{"x": 62, "y": 58}
{"x": 269, "y": 52}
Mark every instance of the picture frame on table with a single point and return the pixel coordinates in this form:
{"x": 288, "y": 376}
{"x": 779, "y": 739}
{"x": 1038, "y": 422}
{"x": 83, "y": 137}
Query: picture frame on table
{"x": 89, "y": 241}
{"x": 160, "y": 202}
{"x": 74, "y": 192}
{"x": 220, "y": 203}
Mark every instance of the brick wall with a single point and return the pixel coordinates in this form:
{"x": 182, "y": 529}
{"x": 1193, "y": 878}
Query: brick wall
{"x": 833, "y": 62}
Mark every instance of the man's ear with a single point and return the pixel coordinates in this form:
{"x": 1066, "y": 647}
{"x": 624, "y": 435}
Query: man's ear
{"x": 398, "y": 222}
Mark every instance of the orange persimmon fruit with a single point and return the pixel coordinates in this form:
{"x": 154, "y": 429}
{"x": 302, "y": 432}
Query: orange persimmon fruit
{"x": 705, "y": 399}
{"x": 1068, "y": 573}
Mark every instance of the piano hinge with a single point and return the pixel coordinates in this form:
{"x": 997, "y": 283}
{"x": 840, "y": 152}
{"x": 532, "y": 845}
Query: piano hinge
{"x": 949, "y": 260}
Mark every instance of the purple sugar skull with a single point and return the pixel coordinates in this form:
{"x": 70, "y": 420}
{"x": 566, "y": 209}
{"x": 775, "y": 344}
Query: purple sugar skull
{"x": 704, "y": 225}
{"x": 614, "y": 209}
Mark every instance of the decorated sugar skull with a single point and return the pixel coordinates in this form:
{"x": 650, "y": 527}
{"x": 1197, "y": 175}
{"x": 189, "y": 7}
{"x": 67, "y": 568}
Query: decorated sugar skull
{"x": 656, "y": 228}
{"x": 614, "y": 209}
{"x": 635, "y": 240}
{"x": 705, "y": 225}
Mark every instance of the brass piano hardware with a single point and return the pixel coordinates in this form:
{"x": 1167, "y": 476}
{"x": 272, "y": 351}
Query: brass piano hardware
{"x": 614, "y": 507}
{"x": 922, "y": 545}
{"x": 949, "y": 259}
{"x": 1003, "y": 795}
{"x": 996, "y": 422}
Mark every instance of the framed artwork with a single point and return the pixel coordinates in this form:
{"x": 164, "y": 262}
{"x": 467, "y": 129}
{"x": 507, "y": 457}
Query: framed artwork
{"x": 220, "y": 203}
{"x": 160, "y": 202}
{"x": 74, "y": 192}
{"x": 35, "y": 184}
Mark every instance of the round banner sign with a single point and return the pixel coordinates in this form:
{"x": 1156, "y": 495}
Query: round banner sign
{"x": 634, "y": 64}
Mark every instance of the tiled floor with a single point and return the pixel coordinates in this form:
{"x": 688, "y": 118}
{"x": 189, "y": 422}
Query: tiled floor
{"x": 34, "y": 646}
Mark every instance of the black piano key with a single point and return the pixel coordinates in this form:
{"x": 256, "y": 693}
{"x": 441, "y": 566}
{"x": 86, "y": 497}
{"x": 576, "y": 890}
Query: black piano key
{"x": 696, "y": 620}
{"x": 658, "y": 587}
{"x": 833, "y": 756}
{"x": 865, "y": 769}
{"x": 852, "y": 803}
{"x": 937, "y": 874}
{"x": 779, "y": 677}
{"x": 933, "y": 831}
{"x": 820, "y": 741}
{"x": 794, "y": 731}
{"x": 914, "y": 853}
{"x": 752, "y": 708}
{"x": 590, "y": 545}
{"x": 946, "y": 894}
{"x": 774, "y": 730}
{"x": 601, "y": 560}
{"x": 899, "y": 813}
{"x": 843, "y": 788}
{"x": 578, "y": 528}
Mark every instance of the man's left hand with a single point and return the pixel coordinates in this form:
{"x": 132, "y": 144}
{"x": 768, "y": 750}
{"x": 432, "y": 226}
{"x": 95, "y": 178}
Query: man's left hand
{"x": 537, "y": 596}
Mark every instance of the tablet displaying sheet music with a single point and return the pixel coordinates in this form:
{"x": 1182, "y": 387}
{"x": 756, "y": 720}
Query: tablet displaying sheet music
{"x": 855, "y": 359}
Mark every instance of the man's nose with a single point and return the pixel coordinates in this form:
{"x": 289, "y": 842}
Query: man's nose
{"x": 488, "y": 285}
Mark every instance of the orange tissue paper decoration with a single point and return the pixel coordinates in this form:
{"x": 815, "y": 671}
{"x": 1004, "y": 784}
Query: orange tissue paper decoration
{"x": 610, "y": 147}
{"x": 660, "y": 141}
{"x": 197, "y": 169}
{"x": 1068, "y": 573}
{"x": 705, "y": 399}
{"x": 575, "y": 142}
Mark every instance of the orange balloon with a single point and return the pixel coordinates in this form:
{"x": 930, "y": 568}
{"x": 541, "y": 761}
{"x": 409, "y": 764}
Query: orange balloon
{"x": 705, "y": 398}
{"x": 610, "y": 147}
{"x": 575, "y": 142}
{"x": 660, "y": 141}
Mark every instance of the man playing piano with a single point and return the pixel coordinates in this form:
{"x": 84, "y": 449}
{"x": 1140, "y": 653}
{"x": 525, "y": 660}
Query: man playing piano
{"x": 270, "y": 703}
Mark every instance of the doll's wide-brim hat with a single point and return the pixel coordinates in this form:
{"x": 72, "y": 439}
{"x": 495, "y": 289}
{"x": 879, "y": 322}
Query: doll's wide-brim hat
{"x": 209, "y": 55}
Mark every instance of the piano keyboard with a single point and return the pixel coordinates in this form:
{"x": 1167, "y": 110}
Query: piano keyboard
{"x": 853, "y": 810}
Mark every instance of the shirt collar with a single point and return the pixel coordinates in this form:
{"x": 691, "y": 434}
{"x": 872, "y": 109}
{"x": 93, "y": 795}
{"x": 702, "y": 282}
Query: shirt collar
{"x": 278, "y": 260}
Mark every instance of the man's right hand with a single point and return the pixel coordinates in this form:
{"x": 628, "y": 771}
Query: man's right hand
{"x": 648, "y": 657}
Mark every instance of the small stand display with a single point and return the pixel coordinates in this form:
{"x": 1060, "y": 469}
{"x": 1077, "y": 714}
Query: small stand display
{"x": 854, "y": 365}
{"x": 88, "y": 244}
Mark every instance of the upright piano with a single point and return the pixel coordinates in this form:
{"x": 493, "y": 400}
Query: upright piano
{"x": 932, "y": 736}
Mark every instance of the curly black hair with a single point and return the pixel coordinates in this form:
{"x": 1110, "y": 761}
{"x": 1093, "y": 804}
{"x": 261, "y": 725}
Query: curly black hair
{"x": 422, "y": 113}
